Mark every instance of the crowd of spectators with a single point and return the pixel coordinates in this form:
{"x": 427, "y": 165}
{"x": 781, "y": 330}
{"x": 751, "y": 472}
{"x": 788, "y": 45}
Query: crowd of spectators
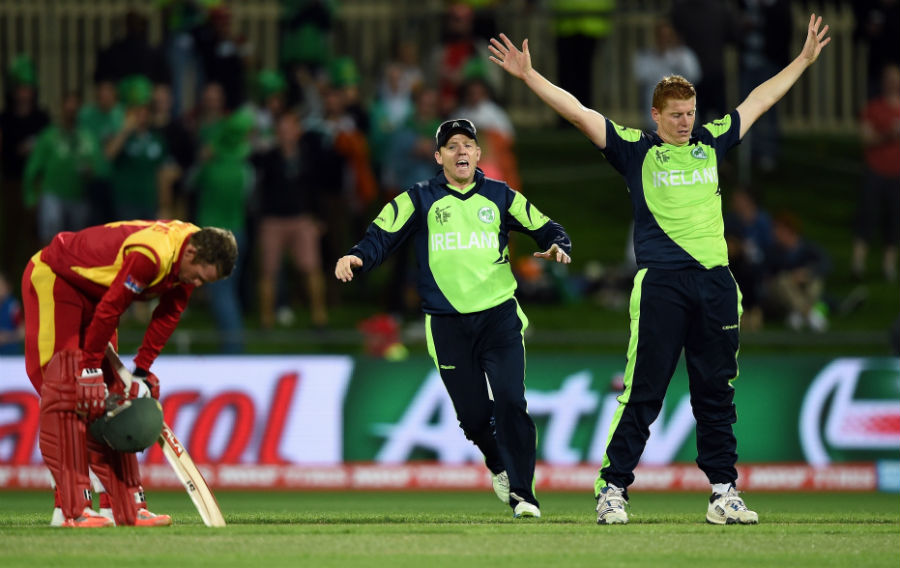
{"x": 780, "y": 271}
{"x": 296, "y": 159}
{"x": 293, "y": 160}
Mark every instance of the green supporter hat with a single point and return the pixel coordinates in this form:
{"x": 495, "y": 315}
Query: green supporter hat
{"x": 269, "y": 83}
{"x": 306, "y": 45}
{"x": 231, "y": 138}
{"x": 21, "y": 71}
{"x": 132, "y": 426}
{"x": 343, "y": 72}
{"x": 135, "y": 90}
{"x": 475, "y": 69}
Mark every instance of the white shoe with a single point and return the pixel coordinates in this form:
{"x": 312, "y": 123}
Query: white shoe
{"x": 728, "y": 509}
{"x": 526, "y": 509}
{"x": 56, "y": 520}
{"x": 106, "y": 511}
{"x": 611, "y": 506}
{"x": 501, "y": 486}
{"x": 89, "y": 518}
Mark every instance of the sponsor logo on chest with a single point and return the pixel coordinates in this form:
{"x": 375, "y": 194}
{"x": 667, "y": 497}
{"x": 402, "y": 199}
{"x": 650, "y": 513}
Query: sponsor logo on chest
{"x": 464, "y": 238}
{"x": 463, "y": 241}
{"x": 672, "y": 178}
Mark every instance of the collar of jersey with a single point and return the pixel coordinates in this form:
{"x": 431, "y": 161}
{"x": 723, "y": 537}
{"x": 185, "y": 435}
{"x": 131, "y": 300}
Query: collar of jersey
{"x": 694, "y": 140}
{"x": 461, "y": 190}
{"x": 464, "y": 193}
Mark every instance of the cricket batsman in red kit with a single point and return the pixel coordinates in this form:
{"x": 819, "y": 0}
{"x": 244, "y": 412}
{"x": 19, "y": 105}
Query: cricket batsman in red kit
{"x": 74, "y": 292}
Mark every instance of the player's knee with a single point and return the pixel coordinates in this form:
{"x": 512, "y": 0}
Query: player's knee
{"x": 58, "y": 388}
{"x": 509, "y": 398}
{"x": 714, "y": 414}
{"x": 63, "y": 366}
{"x": 478, "y": 431}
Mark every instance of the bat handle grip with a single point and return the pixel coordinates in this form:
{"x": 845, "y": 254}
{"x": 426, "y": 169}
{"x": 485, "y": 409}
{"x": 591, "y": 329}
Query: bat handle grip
{"x": 124, "y": 374}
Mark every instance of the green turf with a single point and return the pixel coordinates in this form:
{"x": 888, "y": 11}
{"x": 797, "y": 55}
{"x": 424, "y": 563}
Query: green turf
{"x": 466, "y": 530}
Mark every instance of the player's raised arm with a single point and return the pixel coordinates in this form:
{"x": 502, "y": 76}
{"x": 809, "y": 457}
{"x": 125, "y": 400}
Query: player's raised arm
{"x": 770, "y": 92}
{"x": 517, "y": 63}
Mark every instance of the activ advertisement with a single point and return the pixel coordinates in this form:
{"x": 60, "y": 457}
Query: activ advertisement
{"x": 790, "y": 409}
{"x": 341, "y": 421}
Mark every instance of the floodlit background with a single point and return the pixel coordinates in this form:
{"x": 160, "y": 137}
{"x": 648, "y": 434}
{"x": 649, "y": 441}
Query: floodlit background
{"x": 306, "y": 385}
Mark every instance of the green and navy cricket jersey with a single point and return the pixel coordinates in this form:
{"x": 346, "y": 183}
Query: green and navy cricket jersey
{"x": 675, "y": 192}
{"x": 461, "y": 240}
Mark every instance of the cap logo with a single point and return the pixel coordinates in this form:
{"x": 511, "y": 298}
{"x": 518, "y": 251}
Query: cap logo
{"x": 447, "y": 128}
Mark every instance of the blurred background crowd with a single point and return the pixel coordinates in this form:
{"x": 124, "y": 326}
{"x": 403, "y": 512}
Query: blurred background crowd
{"x": 291, "y": 122}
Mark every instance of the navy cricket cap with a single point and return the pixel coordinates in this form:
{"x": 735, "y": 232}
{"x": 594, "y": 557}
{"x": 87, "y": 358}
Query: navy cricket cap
{"x": 454, "y": 126}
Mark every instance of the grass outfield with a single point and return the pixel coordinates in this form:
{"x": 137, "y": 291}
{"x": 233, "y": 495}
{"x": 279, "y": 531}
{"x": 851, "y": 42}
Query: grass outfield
{"x": 464, "y": 530}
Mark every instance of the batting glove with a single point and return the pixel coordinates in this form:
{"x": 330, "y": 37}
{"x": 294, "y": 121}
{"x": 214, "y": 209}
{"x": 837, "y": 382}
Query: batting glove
{"x": 151, "y": 380}
{"x": 90, "y": 394}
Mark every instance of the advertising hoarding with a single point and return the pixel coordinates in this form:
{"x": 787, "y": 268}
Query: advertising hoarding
{"x": 339, "y": 422}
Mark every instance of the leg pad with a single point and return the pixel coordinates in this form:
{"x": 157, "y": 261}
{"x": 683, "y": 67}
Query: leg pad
{"x": 63, "y": 438}
{"x": 121, "y": 476}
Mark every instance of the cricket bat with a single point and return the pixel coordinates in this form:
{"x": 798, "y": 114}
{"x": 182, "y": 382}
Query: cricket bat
{"x": 178, "y": 458}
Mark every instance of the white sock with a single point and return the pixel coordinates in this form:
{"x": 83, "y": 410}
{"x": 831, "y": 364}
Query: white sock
{"x": 721, "y": 488}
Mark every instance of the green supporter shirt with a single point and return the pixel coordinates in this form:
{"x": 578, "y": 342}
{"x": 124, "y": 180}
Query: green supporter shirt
{"x": 461, "y": 240}
{"x": 135, "y": 168}
{"x": 60, "y": 164}
{"x": 675, "y": 194}
{"x": 223, "y": 186}
{"x": 102, "y": 125}
{"x": 223, "y": 182}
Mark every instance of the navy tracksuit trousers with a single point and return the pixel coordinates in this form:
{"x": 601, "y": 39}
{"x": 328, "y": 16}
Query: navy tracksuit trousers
{"x": 697, "y": 311}
{"x": 481, "y": 359}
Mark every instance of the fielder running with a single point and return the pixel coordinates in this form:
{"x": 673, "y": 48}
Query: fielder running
{"x": 460, "y": 222}
{"x": 684, "y": 296}
{"x": 74, "y": 292}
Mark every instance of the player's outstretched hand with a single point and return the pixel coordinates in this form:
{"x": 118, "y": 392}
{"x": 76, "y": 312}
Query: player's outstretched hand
{"x": 345, "y": 265}
{"x": 505, "y": 54}
{"x": 555, "y": 253}
{"x": 815, "y": 39}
